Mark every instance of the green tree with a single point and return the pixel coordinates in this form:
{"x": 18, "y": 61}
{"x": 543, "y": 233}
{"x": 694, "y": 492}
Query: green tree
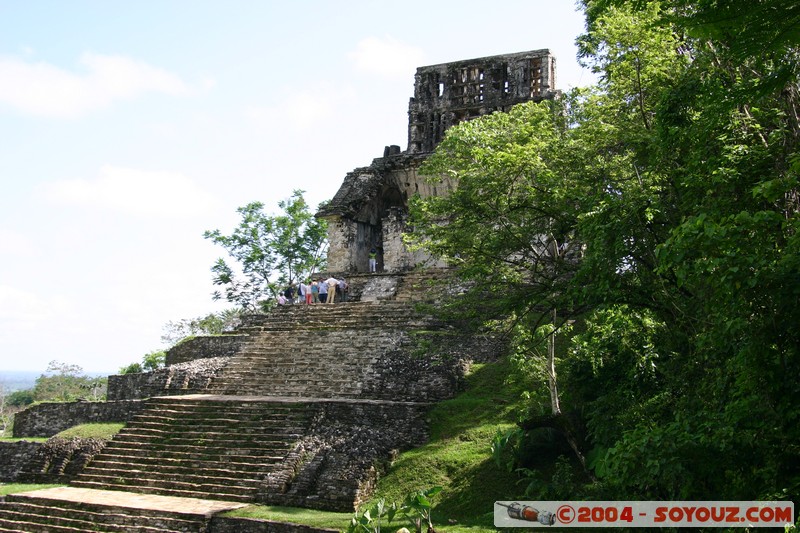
{"x": 65, "y": 382}
{"x": 150, "y": 361}
{"x": 210, "y": 324}
{"x": 20, "y": 398}
{"x": 133, "y": 368}
{"x": 672, "y": 189}
{"x": 270, "y": 251}
{"x": 725, "y": 138}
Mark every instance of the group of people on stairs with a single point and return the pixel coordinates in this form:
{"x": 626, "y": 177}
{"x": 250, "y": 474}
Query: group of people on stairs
{"x": 315, "y": 291}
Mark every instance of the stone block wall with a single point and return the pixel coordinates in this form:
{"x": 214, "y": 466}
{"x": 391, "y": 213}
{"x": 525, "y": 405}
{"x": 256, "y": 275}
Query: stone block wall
{"x": 205, "y": 347}
{"x": 336, "y": 465}
{"x": 427, "y": 366}
{"x": 191, "y": 377}
{"x": 14, "y": 456}
{"x": 342, "y": 258}
{"x": 47, "y": 419}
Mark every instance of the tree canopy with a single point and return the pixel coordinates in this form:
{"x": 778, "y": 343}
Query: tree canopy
{"x": 66, "y": 382}
{"x": 657, "y": 214}
{"x": 270, "y": 252}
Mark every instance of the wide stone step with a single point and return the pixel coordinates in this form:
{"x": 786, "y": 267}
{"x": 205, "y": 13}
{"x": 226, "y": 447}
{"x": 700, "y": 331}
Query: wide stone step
{"x": 333, "y": 328}
{"x": 258, "y": 362}
{"x": 172, "y": 465}
{"x": 310, "y": 382}
{"x": 298, "y": 390}
{"x": 203, "y": 453}
{"x": 261, "y": 369}
{"x": 183, "y": 478}
{"x": 312, "y": 379}
{"x": 331, "y": 353}
{"x": 107, "y": 510}
{"x": 135, "y": 433}
{"x": 220, "y": 413}
{"x": 238, "y": 489}
{"x": 322, "y": 325}
{"x": 204, "y": 438}
{"x": 43, "y": 518}
{"x": 5, "y": 527}
{"x": 224, "y": 495}
{"x": 244, "y": 419}
{"x": 250, "y": 419}
{"x": 199, "y": 404}
{"x": 31, "y": 524}
{"x": 189, "y": 429}
{"x": 197, "y": 444}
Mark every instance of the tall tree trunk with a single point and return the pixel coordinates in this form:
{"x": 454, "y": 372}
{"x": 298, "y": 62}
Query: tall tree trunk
{"x": 552, "y": 381}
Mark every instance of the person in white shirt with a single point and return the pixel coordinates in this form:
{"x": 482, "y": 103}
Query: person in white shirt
{"x": 332, "y": 284}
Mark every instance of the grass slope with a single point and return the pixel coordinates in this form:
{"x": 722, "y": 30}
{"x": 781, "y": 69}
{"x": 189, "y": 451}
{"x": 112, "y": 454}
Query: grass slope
{"x": 458, "y": 455}
{"x": 103, "y": 431}
{"x": 13, "y": 488}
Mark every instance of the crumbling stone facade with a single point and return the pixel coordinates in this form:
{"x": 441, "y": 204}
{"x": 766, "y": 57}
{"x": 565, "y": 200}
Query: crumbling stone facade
{"x": 449, "y": 93}
{"x": 369, "y": 212}
{"x": 370, "y": 209}
{"x": 59, "y": 460}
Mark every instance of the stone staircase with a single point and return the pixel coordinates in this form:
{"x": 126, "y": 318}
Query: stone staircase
{"x": 316, "y": 396}
{"x": 73, "y": 510}
{"x": 320, "y": 351}
{"x": 194, "y": 446}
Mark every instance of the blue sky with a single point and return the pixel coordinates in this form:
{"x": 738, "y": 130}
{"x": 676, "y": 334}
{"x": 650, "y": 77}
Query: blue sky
{"x": 129, "y": 128}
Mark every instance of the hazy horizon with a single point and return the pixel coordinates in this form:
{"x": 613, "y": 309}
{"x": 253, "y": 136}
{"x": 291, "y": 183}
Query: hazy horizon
{"x": 14, "y": 380}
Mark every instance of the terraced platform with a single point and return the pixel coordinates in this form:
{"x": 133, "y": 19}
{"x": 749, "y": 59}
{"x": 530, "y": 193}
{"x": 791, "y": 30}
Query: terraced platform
{"x": 70, "y": 509}
{"x": 316, "y": 398}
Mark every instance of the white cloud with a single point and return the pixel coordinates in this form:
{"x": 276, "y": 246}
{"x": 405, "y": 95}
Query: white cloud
{"x": 17, "y": 245}
{"x": 302, "y": 109}
{"x": 20, "y": 309}
{"x": 387, "y": 57}
{"x": 133, "y": 191}
{"x": 45, "y": 90}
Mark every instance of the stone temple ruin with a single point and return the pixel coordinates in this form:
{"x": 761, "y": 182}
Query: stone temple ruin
{"x": 303, "y": 406}
{"x": 369, "y": 210}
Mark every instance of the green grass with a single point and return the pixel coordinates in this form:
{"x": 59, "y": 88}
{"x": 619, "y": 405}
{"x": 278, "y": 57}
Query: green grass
{"x": 12, "y": 488}
{"x": 457, "y": 457}
{"x": 92, "y": 431}
{"x": 309, "y": 517}
{"x": 96, "y": 431}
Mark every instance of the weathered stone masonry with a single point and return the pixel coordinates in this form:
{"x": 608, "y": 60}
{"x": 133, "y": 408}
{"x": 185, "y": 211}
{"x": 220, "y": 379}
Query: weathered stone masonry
{"x": 14, "y": 456}
{"x": 47, "y": 419}
{"x": 449, "y": 93}
{"x": 369, "y": 210}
